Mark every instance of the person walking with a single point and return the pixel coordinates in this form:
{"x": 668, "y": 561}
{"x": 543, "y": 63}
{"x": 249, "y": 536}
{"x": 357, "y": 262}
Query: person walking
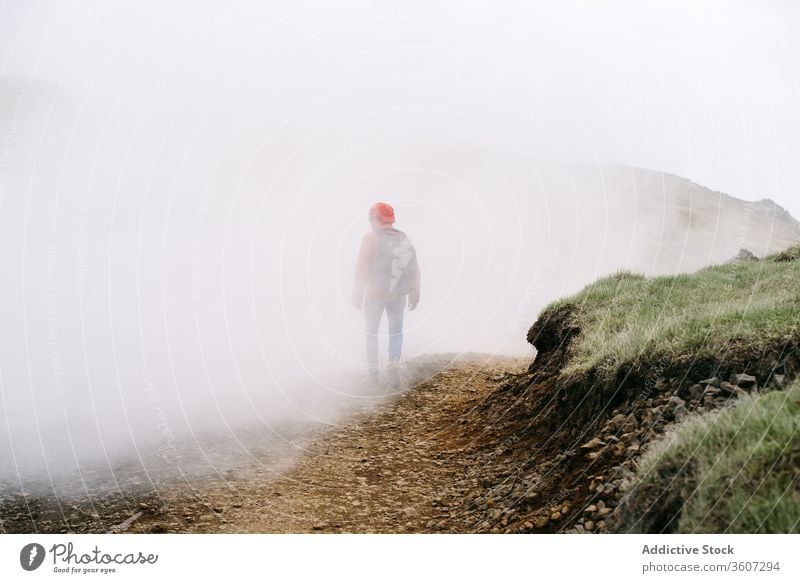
{"x": 387, "y": 279}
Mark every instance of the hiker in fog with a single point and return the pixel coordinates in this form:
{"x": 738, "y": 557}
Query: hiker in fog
{"x": 387, "y": 277}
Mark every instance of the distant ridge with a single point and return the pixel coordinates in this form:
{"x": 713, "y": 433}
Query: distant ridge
{"x": 700, "y": 223}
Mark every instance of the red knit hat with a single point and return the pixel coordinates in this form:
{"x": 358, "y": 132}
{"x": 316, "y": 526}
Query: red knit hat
{"x": 383, "y": 212}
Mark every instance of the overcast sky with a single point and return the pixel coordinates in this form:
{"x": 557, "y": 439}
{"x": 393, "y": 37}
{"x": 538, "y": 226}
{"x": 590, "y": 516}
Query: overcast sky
{"x": 707, "y": 90}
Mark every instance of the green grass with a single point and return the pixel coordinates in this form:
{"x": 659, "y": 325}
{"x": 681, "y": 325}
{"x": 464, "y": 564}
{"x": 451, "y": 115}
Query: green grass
{"x": 626, "y": 317}
{"x": 735, "y": 471}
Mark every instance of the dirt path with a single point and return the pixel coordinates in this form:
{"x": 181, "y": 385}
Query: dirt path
{"x": 395, "y": 468}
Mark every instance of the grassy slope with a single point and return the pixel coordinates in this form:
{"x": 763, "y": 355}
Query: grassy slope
{"x": 736, "y": 470}
{"x": 731, "y": 471}
{"x": 626, "y": 316}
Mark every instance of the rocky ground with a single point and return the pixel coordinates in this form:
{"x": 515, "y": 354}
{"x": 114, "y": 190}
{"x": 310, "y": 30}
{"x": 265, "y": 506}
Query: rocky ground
{"x": 387, "y": 468}
{"x": 395, "y": 468}
{"x": 476, "y": 444}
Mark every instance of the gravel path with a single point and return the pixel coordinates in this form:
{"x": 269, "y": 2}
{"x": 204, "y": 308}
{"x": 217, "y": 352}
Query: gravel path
{"x": 388, "y": 469}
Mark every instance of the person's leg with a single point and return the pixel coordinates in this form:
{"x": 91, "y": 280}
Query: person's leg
{"x": 373, "y": 310}
{"x": 394, "y": 313}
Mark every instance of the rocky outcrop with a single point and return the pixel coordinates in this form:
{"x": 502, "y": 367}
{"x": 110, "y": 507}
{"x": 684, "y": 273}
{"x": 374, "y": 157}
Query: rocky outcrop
{"x": 552, "y": 335}
{"x": 742, "y": 256}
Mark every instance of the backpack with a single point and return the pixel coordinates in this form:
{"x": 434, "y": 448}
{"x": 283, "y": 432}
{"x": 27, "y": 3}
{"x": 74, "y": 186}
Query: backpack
{"x": 396, "y": 263}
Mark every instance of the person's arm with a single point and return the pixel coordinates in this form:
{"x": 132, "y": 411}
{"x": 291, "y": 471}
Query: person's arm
{"x": 413, "y": 297}
{"x": 362, "y": 270}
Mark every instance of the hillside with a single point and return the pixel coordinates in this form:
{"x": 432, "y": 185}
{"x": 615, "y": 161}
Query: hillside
{"x": 657, "y": 223}
{"x": 653, "y": 405}
{"x": 629, "y": 358}
{"x": 703, "y": 226}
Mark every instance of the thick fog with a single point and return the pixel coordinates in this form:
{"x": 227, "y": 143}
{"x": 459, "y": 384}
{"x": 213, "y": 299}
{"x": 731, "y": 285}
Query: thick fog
{"x": 183, "y": 189}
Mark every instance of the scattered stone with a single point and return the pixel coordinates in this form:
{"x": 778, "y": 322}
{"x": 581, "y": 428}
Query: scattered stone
{"x": 542, "y": 521}
{"x": 410, "y": 512}
{"x": 617, "y": 421}
{"x": 593, "y": 444}
{"x": 743, "y": 256}
{"x": 588, "y": 525}
{"x": 789, "y": 255}
{"x": 732, "y": 391}
{"x": 744, "y": 381}
{"x": 680, "y": 413}
{"x": 531, "y": 495}
{"x": 695, "y": 392}
{"x": 675, "y": 401}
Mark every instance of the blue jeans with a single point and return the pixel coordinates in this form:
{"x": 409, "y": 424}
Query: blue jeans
{"x": 373, "y": 310}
